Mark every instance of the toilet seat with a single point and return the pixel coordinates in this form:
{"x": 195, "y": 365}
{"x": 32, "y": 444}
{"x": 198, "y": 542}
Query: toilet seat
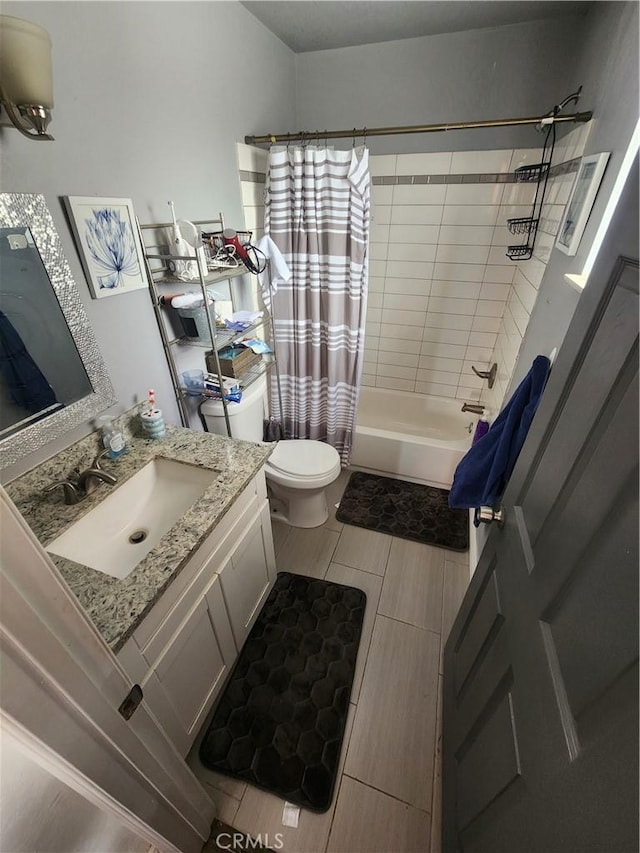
{"x": 303, "y": 464}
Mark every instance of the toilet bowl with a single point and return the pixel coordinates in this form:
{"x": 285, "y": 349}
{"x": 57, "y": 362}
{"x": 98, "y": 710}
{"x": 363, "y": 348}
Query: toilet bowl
{"x": 297, "y": 472}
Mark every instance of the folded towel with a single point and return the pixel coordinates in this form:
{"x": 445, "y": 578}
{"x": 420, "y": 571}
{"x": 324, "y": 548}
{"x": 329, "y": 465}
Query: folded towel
{"x": 482, "y": 428}
{"x": 483, "y": 473}
{"x": 272, "y": 430}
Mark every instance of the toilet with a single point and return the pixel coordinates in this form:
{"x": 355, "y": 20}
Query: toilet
{"x": 297, "y": 472}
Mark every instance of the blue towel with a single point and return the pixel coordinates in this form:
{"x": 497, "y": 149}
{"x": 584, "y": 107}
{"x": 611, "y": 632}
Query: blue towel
{"x": 483, "y": 473}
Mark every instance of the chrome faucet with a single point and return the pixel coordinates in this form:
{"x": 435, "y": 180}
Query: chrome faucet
{"x": 471, "y": 407}
{"x": 87, "y": 482}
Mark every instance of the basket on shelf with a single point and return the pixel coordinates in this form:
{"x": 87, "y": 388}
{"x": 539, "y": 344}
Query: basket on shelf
{"x": 522, "y": 225}
{"x": 533, "y": 172}
{"x": 219, "y": 255}
{"x": 234, "y": 360}
{"x": 520, "y": 253}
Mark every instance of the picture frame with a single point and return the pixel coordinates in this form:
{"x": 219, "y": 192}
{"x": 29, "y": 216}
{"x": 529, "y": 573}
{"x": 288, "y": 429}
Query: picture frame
{"x": 580, "y": 202}
{"x": 106, "y": 236}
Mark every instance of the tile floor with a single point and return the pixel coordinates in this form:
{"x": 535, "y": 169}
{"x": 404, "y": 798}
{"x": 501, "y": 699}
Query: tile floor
{"x": 388, "y": 793}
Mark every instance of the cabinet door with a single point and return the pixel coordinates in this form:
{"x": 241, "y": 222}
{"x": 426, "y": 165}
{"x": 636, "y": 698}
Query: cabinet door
{"x": 247, "y": 576}
{"x": 193, "y": 667}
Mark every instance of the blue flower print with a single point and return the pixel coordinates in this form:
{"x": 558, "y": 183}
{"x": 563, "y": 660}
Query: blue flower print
{"x": 110, "y": 242}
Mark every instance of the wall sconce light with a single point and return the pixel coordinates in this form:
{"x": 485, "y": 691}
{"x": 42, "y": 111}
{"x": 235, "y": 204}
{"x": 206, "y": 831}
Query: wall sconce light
{"x": 26, "y": 84}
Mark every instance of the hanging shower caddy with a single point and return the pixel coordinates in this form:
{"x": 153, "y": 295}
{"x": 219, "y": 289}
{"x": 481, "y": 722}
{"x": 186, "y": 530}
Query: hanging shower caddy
{"x": 527, "y": 226}
{"x": 538, "y": 172}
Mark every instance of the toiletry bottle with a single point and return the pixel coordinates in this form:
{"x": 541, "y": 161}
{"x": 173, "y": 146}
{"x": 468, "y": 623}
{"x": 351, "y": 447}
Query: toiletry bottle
{"x": 151, "y": 417}
{"x": 112, "y": 438}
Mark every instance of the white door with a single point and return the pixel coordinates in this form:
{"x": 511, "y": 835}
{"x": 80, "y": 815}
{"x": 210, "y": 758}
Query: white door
{"x": 61, "y": 686}
{"x": 541, "y": 666}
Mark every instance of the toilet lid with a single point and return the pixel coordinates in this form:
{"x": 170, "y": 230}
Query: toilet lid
{"x": 303, "y": 458}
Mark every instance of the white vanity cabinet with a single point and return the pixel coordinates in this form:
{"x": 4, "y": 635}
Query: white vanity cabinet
{"x": 184, "y": 648}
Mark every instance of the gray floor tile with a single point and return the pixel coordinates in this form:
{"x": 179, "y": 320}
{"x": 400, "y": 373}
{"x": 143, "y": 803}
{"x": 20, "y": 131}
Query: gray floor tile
{"x": 392, "y": 744}
{"x": 459, "y": 557}
{"x": 307, "y": 551}
{"x": 371, "y": 585}
{"x": 363, "y": 549}
{"x": 226, "y": 806}
{"x": 412, "y": 590}
{"x": 368, "y": 821}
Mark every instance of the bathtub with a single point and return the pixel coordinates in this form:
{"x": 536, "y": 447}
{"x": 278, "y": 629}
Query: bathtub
{"x": 413, "y": 437}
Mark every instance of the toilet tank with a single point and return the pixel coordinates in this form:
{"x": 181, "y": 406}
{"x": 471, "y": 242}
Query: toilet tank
{"x": 246, "y": 417}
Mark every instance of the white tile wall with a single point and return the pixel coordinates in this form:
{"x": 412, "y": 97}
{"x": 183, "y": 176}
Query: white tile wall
{"x": 446, "y": 279}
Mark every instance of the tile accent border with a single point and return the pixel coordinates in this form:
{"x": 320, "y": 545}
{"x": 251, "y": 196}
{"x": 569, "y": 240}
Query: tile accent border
{"x": 466, "y": 178}
{"x": 252, "y": 177}
{"x": 462, "y": 178}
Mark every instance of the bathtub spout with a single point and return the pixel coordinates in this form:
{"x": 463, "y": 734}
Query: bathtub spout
{"x": 471, "y": 407}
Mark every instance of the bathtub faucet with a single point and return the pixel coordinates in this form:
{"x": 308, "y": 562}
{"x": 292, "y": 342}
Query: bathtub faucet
{"x": 471, "y": 407}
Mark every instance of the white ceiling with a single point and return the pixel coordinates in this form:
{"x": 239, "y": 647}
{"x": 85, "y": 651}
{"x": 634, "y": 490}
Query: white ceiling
{"x": 306, "y": 25}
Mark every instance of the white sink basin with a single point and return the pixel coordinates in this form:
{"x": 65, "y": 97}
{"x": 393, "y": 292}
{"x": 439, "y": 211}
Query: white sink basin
{"x": 115, "y": 536}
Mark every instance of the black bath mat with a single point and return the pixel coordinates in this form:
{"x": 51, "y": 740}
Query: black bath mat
{"x": 280, "y": 721}
{"x": 403, "y": 509}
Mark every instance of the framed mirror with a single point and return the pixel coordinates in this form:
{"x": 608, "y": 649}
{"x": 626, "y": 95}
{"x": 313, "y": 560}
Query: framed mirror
{"x": 52, "y": 375}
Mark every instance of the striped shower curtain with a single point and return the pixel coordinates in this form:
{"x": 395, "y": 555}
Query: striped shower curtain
{"x": 317, "y": 213}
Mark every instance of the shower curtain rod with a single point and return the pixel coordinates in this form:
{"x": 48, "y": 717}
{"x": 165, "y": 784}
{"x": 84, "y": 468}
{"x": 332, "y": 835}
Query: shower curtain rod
{"x": 302, "y": 135}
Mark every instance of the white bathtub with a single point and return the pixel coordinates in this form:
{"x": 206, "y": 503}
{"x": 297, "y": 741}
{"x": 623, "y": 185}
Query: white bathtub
{"x": 415, "y": 437}
{"x": 411, "y": 436}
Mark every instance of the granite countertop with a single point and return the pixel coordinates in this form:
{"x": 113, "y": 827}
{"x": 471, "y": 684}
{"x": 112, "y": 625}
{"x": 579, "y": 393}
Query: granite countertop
{"x": 118, "y": 606}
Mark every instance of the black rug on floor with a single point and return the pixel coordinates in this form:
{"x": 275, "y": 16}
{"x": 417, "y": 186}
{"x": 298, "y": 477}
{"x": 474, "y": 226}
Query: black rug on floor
{"x": 280, "y": 721}
{"x": 408, "y": 510}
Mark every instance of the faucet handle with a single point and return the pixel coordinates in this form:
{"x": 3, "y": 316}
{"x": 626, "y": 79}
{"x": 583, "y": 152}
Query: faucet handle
{"x": 489, "y": 375}
{"x": 71, "y": 495}
{"x": 96, "y": 462}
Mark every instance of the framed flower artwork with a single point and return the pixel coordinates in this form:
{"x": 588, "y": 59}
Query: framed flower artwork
{"x": 107, "y": 238}
{"x": 580, "y": 203}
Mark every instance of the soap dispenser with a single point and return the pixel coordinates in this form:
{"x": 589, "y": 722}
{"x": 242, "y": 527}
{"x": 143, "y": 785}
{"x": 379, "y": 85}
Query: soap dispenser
{"x": 112, "y": 438}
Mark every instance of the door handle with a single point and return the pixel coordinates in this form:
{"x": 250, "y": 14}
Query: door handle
{"x": 131, "y": 701}
{"x": 487, "y": 515}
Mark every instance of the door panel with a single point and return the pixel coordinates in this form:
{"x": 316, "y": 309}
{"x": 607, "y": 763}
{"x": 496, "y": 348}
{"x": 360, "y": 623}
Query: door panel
{"x": 192, "y": 666}
{"x": 246, "y": 580}
{"x": 610, "y": 346}
{"x": 540, "y": 670}
{"x": 478, "y": 632}
{"x": 484, "y": 770}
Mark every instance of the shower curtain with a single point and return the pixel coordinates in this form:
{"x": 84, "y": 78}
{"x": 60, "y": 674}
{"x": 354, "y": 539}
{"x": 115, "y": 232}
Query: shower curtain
{"x": 317, "y": 213}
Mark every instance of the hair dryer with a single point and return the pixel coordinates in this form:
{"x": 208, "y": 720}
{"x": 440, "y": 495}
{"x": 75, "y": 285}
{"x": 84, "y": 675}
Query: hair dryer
{"x": 230, "y": 238}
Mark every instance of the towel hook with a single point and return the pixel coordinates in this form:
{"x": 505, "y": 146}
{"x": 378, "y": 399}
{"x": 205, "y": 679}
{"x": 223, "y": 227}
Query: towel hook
{"x": 490, "y": 375}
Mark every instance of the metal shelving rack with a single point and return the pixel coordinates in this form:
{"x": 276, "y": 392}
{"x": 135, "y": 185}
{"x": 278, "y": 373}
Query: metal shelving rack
{"x": 157, "y": 257}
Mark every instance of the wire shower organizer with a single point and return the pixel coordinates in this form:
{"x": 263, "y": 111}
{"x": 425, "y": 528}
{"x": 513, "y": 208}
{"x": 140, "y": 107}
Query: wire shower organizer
{"x": 527, "y": 226}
